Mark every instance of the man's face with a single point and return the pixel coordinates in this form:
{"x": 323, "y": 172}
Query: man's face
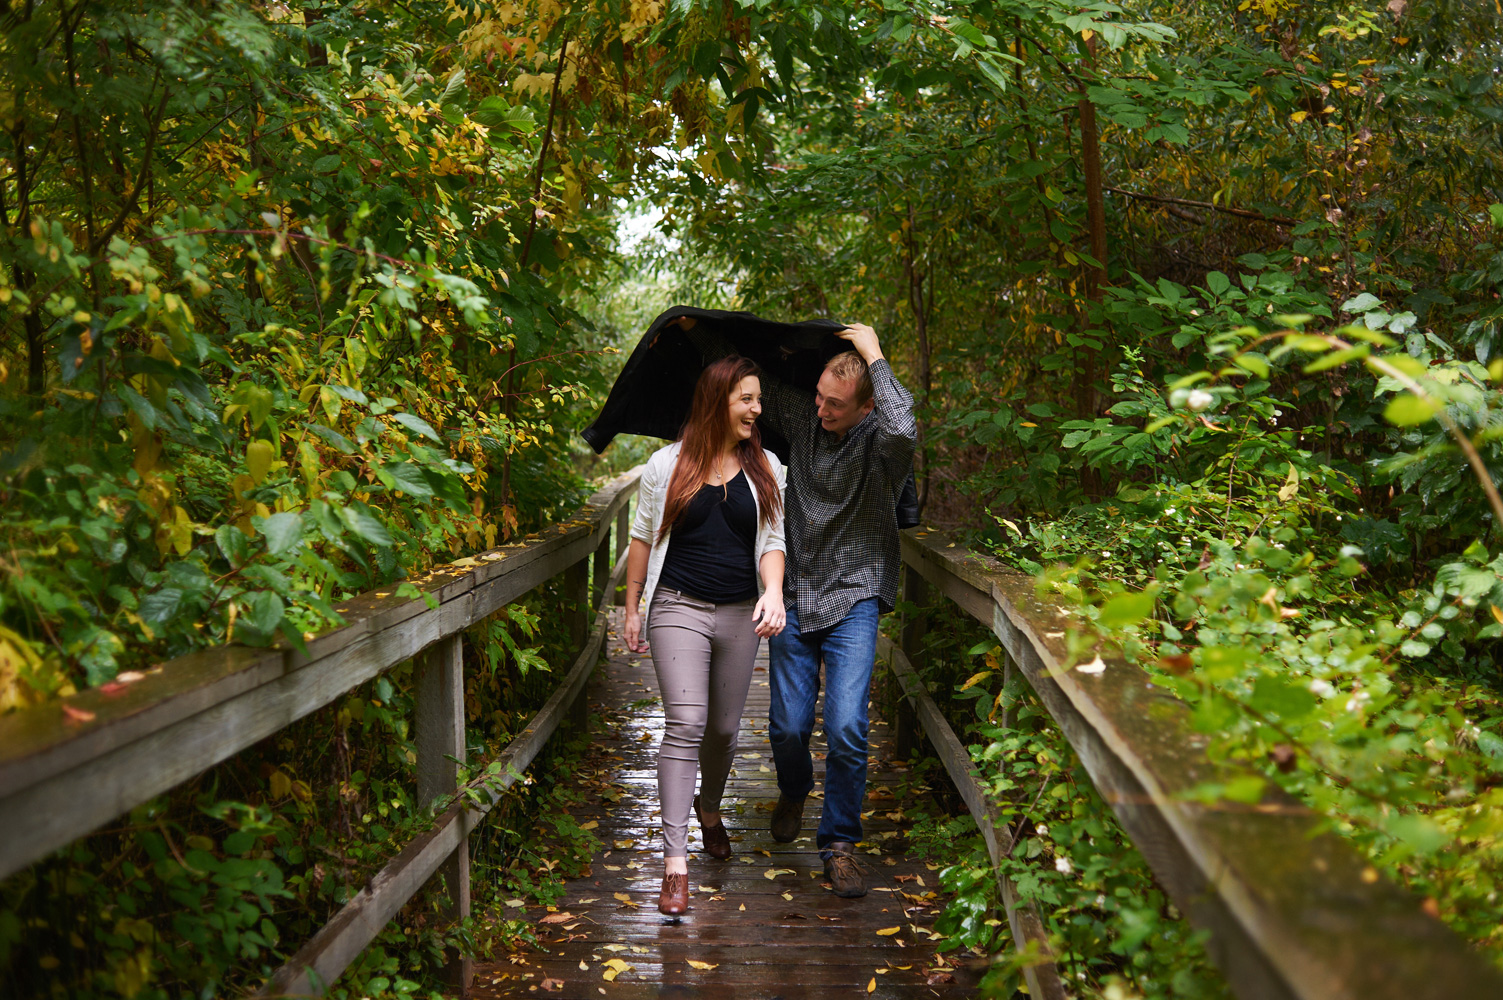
{"x": 835, "y": 402}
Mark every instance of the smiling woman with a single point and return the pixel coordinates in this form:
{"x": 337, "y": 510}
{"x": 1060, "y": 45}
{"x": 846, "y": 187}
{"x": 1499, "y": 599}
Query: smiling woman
{"x": 710, "y": 520}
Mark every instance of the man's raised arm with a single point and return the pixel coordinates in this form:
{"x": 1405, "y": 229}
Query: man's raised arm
{"x": 892, "y": 405}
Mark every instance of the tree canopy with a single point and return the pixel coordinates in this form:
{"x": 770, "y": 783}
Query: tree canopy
{"x": 1200, "y": 304}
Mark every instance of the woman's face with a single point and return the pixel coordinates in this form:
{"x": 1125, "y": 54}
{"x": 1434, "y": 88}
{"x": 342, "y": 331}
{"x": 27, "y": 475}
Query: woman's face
{"x": 745, "y": 407}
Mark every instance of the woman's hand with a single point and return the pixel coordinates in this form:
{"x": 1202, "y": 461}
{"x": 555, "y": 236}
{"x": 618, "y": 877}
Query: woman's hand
{"x": 769, "y": 614}
{"x": 636, "y": 642}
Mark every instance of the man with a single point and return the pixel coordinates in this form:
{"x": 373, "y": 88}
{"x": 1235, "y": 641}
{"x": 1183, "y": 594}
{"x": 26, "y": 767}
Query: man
{"x": 852, "y": 448}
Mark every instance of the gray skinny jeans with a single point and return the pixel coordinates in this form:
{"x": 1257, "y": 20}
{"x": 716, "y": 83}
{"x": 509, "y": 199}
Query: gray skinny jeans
{"x": 703, "y": 655}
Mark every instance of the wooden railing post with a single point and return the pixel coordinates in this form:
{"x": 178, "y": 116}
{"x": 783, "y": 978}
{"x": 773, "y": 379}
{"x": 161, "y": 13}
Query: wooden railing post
{"x": 576, "y": 594}
{"x": 623, "y": 539}
{"x": 439, "y": 723}
{"x": 600, "y": 571}
{"x": 915, "y": 591}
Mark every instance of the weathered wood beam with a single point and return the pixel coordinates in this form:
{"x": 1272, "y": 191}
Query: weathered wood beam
{"x": 61, "y": 779}
{"x": 319, "y": 963}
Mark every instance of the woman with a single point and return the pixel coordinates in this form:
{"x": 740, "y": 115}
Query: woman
{"x": 709, "y": 522}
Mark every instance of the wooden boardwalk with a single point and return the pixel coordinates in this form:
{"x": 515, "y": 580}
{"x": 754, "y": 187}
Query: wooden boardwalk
{"x": 762, "y": 924}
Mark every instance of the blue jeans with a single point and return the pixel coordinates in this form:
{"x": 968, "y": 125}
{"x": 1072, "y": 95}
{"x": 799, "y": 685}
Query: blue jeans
{"x": 848, "y": 650}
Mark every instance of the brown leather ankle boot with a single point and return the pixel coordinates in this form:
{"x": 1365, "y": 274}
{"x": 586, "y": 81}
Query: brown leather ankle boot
{"x": 674, "y": 899}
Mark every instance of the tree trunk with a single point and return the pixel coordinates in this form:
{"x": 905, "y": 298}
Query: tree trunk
{"x": 1087, "y": 400}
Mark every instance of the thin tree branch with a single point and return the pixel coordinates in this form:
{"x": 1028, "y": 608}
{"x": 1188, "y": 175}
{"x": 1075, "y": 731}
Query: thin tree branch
{"x": 1241, "y": 213}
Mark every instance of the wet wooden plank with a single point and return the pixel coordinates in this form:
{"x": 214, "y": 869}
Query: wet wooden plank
{"x": 784, "y": 936}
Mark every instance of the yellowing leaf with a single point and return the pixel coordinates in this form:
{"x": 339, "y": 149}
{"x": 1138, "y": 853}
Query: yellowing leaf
{"x": 281, "y": 785}
{"x": 975, "y": 679}
{"x": 702, "y": 966}
{"x": 258, "y": 459}
{"x": 888, "y": 931}
{"x": 1291, "y": 485}
{"x": 871, "y": 987}
{"x": 592, "y": 824}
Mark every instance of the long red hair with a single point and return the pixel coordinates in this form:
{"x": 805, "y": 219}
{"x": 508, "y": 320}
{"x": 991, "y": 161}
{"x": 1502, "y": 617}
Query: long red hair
{"x": 704, "y": 434}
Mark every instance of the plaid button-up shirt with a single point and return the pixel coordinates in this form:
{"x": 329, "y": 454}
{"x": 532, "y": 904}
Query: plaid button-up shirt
{"x": 842, "y": 529}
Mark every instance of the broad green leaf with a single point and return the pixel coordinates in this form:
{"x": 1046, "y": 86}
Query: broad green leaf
{"x": 406, "y": 477}
{"x": 160, "y": 607}
{"x": 1363, "y": 303}
{"x": 1338, "y": 358}
{"x": 282, "y": 531}
{"x": 1408, "y": 410}
{"x": 417, "y": 425}
{"x": 1247, "y": 789}
{"x": 1276, "y": 696}
{"x": 233, "y": 544}
{"x": 1419, "y": 833}
{"x": 1126, "y": 609}
{"x": 1252, "y": 362}
{"x": 359, "y": 519}
{"x": 258, "y": 458}
{"x": 139, "y": 405}
{"x": 265, "y": 612}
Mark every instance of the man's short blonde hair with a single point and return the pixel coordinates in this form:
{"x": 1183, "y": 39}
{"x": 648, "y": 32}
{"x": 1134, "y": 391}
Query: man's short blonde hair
{"x": 847, "y": 365}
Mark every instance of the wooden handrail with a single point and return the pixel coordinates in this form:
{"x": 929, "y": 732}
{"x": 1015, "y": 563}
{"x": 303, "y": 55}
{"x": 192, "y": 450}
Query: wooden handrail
{"x": 1292, "y": 911}
{"x": 61, "y": 779}
{"x": 329, "y": 952}
{"x": 1028, "y": 932}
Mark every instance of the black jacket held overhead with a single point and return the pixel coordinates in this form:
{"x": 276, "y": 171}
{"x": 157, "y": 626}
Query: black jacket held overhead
{"x": 653, "y": 393}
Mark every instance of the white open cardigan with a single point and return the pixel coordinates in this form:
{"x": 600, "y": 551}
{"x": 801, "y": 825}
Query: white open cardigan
{"x": 652, "y": 497}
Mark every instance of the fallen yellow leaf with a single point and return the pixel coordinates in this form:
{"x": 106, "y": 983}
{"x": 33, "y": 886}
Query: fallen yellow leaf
{"x": 703, "y": 966}
{"x": 871, "y": 987}
{"x": 591, "y": 825}
{"x": 627, "y": 899}
{"x": 888, "y": 931}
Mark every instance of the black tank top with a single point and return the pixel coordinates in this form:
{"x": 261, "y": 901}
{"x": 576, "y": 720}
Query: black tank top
{"x": 712, "y": 549}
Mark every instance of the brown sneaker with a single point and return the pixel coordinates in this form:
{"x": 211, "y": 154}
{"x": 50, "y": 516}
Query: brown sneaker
{"x": 844, "y": 871}
{"x": 673, "y": 901}
{"x": 787, "y": 819}
{"x": 717, "y": 842}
